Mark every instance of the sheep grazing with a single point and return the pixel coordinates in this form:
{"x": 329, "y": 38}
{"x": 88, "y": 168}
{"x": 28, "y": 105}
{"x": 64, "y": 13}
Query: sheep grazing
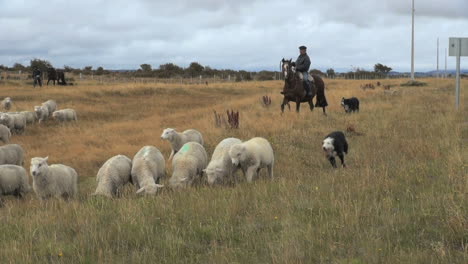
{"x": 7, "y": 120}
{"x": 65, "y": 115}
{"x": 115, "y": 172}
{"x": 5, "y": 134}
{"x": 7, "y": 103}
{"x": 19, "y": 122}
{"x": 188, "y": 165}
{"x": 12, "y": 154}
{"x": 220, "y": 166}
{"x": 13, "y": 181}
{"x": 51, "y": 106}
{"x": 55, "y": 180}
{"x": 148, "y": 167}
{"x": 42, "y": 113}
{"x": 177, "y": 139}
{"x": 252, "y": 156}
{"x": 31, "y": 117}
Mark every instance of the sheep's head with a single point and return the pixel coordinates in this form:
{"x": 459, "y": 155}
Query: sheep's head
{"x": 168, "y": 134}
{"x": 328, "y": 145}
{"x": 213, "y": 175}
{"x": 38, "y": 166}
{"x": 151, "y": 189}
{"x": 342, "y": 101}
{"x": 4, "y": 118}
{"x": 38, "y": 109}
{"x": 56, "y": 114}
{"x": 237, "y": 154}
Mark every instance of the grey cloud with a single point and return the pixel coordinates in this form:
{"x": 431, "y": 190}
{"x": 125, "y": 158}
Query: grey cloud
{"x": 243, "y": 34}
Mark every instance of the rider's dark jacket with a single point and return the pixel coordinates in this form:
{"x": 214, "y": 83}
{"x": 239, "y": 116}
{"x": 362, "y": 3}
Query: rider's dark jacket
{"x": 303, "y": 63}
{"x": 36, "y": 73}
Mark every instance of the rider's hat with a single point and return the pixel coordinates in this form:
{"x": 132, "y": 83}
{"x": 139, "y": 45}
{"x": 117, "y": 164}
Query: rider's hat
{"x": 302, "y": 47}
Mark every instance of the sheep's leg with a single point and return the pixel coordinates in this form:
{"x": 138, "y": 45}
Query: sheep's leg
{"x": 172, "y": 155}
{"x": 251, "y": 173}
{"x": 270, "y": 170}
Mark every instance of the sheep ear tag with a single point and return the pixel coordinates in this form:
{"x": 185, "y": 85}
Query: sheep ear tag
{"x": 184, "y": 148}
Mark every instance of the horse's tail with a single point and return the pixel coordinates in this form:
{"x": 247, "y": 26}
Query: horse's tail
{"x": 321, "y": 99}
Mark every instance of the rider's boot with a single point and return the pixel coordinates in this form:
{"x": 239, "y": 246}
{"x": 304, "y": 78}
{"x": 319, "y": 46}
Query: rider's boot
{"x": 307, "y": 88}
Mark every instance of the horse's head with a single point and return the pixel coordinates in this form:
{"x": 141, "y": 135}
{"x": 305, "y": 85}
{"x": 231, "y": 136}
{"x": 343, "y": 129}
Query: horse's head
{"x": 287, "y": 67}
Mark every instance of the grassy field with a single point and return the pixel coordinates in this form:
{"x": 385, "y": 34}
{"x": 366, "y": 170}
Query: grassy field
{"x": 403, "y": 198}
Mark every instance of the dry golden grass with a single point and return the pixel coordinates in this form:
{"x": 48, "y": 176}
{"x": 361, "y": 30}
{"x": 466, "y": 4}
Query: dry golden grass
{"x": 403, "y": 198}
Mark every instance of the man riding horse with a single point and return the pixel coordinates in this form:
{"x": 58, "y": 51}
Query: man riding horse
{"x": 299, "y": 87}
{"x": 302, "y": 65}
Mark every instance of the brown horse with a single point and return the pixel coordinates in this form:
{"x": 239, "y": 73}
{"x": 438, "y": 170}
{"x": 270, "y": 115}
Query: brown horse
{"x": 294, "y": 89}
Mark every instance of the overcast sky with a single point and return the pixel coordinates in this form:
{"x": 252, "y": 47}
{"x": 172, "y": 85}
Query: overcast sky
{"x": 240, "y": 34}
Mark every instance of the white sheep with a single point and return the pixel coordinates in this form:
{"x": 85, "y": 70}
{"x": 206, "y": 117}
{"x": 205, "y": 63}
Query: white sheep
{"x": 8, "y": 121}
{"x": 6, "y": 103}
{"x": 65, "y": 115}
{"x": 19, "y": 121}
{"x": 177, "y": 139}
{"x": 5, "y": 134}
{"x": 188, "y": 165}
{"x": 42, "y": 113}
{"x": 115, "y": 173}
{"x": 12, "y": 154}
{"x": 252, "y": 156}
{"x": 220, "y": 166}
{"x": 31, "y": 117}
{"x": 56, "y": 180}
{"x": 13, "y": 180}
{"x": 51, "y": 106}
{"x": 148, "y": 167}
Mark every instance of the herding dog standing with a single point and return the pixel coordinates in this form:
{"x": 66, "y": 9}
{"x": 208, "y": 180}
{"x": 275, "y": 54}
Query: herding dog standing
{"x": 350, "y": 105}
{"x": 335, "y": 144}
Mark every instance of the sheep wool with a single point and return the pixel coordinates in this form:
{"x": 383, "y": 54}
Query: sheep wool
{"x": 148, "y": 167}
{"x": 188, "y": 165}
{"x": 12, "y": 154}
{"x": 56, "y": 180}
{"x": 177, "y": 139}
{"x": 253, "y": 155}
{"x": 5, "y": 134}
{"x": 65, "y": 115}
{"x": 13, "y": 180}
{"x": 220, "y": 166}
{"x": 115, "y": 172}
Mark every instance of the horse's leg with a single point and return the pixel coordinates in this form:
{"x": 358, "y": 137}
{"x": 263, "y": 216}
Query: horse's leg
{"x": 324, "y": 112}
{"x": 282, "y": 105}
{"x": 311, "y": 104}
{"x": 289, "y": 106}
{"x": 298, "y": 105}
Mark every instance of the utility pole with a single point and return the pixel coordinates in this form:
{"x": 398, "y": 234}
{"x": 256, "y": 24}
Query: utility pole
{"x": 445, "y": 72}
{"x": 437, "y": 58}
{"x": 412, "y": 42}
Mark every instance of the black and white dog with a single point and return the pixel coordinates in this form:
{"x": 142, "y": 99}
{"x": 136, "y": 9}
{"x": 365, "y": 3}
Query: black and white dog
{"x": 335, "y": 144}
{"x": 350, "y": 105}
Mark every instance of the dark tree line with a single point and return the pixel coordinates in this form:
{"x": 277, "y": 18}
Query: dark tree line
{"x": 194, "y": 71}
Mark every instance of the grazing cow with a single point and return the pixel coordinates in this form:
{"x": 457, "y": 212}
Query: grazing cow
{"x": 350, "y": 105}
{"x": 335, "y": 144}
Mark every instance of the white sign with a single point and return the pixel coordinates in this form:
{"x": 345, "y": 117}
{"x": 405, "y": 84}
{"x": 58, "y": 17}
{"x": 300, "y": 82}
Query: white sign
{"x": 458, "y": 44}
{"x": 458, "y": 47}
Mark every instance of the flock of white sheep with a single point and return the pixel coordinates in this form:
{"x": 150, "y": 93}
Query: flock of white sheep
{"x": 16, "y": 122}
{"x": 189, "y": 163}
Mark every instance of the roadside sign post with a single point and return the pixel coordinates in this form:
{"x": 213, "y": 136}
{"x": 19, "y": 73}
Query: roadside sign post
{"x": 458, "y": 47}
